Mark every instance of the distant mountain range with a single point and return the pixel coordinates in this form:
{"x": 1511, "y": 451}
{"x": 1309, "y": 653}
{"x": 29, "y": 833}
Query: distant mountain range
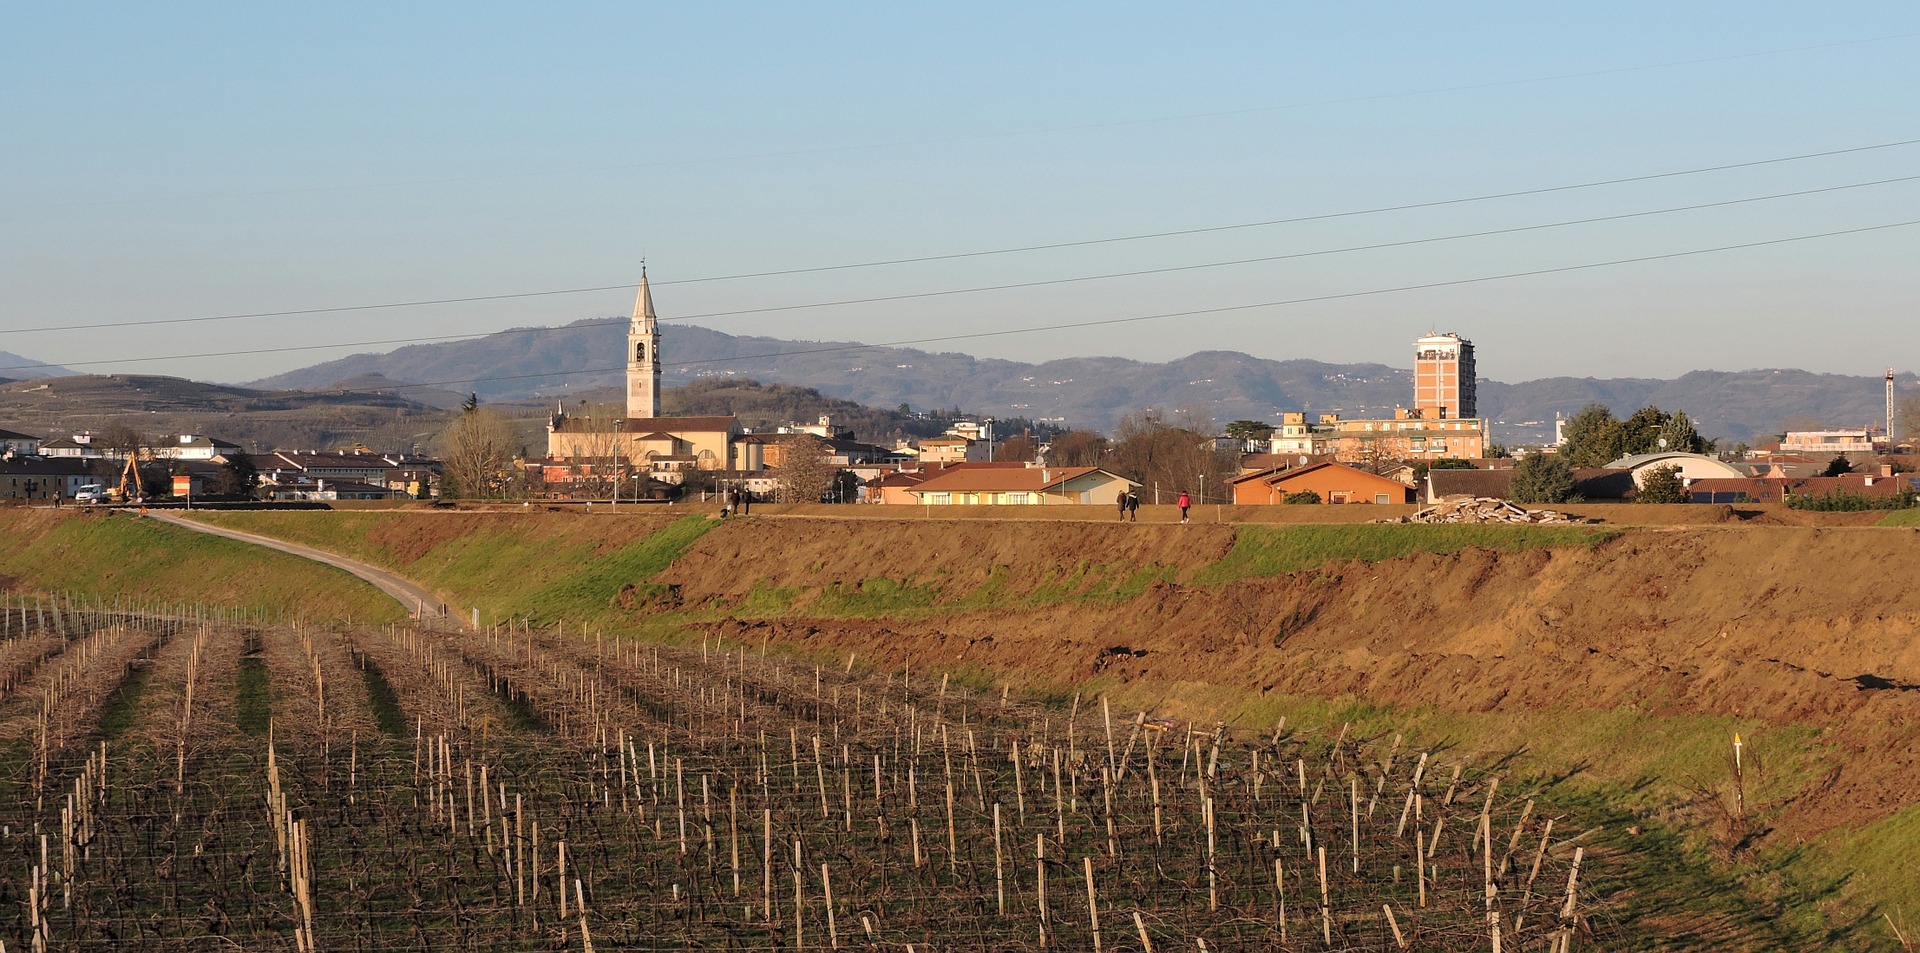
{"x": 14, "y": 367}
{"x": 565, "y": 362}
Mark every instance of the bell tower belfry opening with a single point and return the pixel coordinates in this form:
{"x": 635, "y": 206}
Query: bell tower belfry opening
{"x": 643, "y": 355}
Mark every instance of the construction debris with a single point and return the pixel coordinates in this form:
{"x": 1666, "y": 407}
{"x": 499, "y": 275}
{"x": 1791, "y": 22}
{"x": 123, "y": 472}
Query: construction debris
{"x": 1482, "y": 510}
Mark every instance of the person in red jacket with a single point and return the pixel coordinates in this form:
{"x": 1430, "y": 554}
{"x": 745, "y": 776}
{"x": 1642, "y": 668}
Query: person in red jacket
{"x": 1185, "y": 503}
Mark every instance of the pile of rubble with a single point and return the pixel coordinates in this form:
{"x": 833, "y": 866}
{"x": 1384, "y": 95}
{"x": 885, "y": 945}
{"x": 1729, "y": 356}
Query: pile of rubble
{"x": 1483, "y": 510}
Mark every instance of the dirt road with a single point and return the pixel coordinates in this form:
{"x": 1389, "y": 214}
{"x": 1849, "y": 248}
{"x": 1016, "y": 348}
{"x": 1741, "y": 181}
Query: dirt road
{"x": 417, "y": 599}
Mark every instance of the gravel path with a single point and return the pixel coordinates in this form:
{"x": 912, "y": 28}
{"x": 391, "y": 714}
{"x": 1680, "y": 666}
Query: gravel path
{"x": 416, "y": 598}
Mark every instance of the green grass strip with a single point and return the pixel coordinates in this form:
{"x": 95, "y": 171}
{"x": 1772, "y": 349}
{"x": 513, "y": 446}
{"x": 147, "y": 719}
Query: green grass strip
{"x": 1908, "y": 517}
{"x": 1260, "y": 551}
{"x": 253, "y": 710}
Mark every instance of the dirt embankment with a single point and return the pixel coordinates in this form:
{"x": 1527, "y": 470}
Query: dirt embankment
{"x": 955, "y": 556}
{"x": 1780, "y": 624}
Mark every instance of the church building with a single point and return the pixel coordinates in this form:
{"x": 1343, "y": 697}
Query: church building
{"x": 655, "y": 443}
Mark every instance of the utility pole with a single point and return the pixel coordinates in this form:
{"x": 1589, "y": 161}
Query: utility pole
{"x": 617, "y": 421}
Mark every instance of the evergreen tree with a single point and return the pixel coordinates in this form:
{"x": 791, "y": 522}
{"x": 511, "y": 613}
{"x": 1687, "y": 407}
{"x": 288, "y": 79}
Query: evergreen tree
{"x": 1543, "y": 478}
{"x": 1593, "y": 437}
{"x": 1680, "y": 435}
{"x": 1662, "y": 485}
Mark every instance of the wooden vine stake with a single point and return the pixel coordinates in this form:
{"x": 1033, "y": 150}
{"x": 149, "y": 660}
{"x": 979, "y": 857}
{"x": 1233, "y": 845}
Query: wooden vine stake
{"x": 1141, "y": 924}
{"x": 1093, "y": 905}
{"x": 1567, "y": 920}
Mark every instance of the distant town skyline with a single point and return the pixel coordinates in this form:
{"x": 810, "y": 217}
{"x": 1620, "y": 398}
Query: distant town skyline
{"x": 201, "y": 161}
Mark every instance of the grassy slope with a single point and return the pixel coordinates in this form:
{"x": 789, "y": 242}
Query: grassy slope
{"x": 510, "y": 566}
{"x": 1910, "y": 517}
{"x": 1272, "y": 551}
{"x": 107, "y": 557}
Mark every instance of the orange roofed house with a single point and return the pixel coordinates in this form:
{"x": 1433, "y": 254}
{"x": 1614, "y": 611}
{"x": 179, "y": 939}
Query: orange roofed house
{"x": 1018, "y": 486}
{"x": 1335, "y": 482}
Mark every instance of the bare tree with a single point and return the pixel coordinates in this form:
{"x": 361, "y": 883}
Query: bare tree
{"x": 478, "y": 450}
{"x": 1018, "y": 448}
{"x": 597, "y": 447}
{"x": 1172, "y": 452}
{"x": 805, "y": 471}
{"x": 1077, "y": 448}
{"x": 1906, "y": 417}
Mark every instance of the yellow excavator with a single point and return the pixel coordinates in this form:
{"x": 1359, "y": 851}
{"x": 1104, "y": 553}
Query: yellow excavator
{"x": 130, "y": 489}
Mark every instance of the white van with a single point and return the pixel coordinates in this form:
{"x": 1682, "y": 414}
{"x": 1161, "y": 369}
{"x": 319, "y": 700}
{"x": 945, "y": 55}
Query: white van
{"x": 90, "y": 493}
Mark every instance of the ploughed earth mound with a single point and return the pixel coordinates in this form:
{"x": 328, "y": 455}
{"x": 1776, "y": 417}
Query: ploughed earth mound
{"x": 1782, "y": 624}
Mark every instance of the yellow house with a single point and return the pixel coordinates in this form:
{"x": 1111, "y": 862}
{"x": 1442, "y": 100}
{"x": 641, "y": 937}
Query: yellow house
{"x": 710, "y": 441}
{"x": 1022, "y": 486}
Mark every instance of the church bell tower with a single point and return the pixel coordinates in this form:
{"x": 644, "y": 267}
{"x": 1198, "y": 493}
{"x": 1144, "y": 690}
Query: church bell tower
{"x": 643, "y": 356}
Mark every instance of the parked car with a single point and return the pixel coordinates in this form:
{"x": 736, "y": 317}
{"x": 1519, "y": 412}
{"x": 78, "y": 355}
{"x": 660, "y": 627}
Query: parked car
{"x": 90, "y": 493}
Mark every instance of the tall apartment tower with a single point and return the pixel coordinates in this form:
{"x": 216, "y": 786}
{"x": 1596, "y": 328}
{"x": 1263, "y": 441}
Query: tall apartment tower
{"x": 643, "y": 356}
{"x": 1890, "y": 443}
{"x": 1443, "y": 375}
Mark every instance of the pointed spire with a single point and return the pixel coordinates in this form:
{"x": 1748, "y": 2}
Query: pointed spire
{"x": 643, "y": 301}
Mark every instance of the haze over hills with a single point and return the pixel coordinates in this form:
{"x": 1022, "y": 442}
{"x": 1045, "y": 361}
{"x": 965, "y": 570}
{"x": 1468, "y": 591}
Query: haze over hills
{"x": 558, "y": 363}
{"x": 153, "y": 406}
{"x": 15, "y": 367}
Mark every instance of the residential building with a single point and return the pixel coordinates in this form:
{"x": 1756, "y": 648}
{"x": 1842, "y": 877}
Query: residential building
{"x": 1296, "y": 436}
{"x": 824, "y": 429}
{"x": 82, "y": 445}
{"x": 43, "y": 478}
{"x": 1410, "y": 435}
{"x": 20, "y": 443}
{"x": 1444, "y": 375}
{"x": 1021, "y": 486}
{"x": 374, "y": 468}
{"x": 1442, "y": 422}
{"x": 1781, "y": 489}
{"x": 188, "y": 446}
{"x": 893, "y": 488}
{"x": 1334, "y": 483}
{"x": 1690, "y": 466}
{"x": 1828, "y": 442}
{"x": 954, "y": 449}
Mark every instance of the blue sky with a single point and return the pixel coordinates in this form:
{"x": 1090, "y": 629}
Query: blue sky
{"x": 200, "y": 159}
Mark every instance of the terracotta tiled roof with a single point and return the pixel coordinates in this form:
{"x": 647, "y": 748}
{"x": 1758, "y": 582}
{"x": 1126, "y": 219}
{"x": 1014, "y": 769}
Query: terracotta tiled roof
{"x": 1496, "y": 484}
{"x": 898, "y": 479}
{"x": 998, "y": 479}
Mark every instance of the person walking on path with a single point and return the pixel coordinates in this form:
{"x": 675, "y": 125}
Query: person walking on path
{"x": 1123, "y": 507}
{"x": 1133, "y": 506}
{"x": 1186, "y": 503}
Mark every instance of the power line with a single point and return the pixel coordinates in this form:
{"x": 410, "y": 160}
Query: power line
{"x": 1102, "y": 322}
{"x": 1010, "y": 250}
{"x": 588, "y": 325}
